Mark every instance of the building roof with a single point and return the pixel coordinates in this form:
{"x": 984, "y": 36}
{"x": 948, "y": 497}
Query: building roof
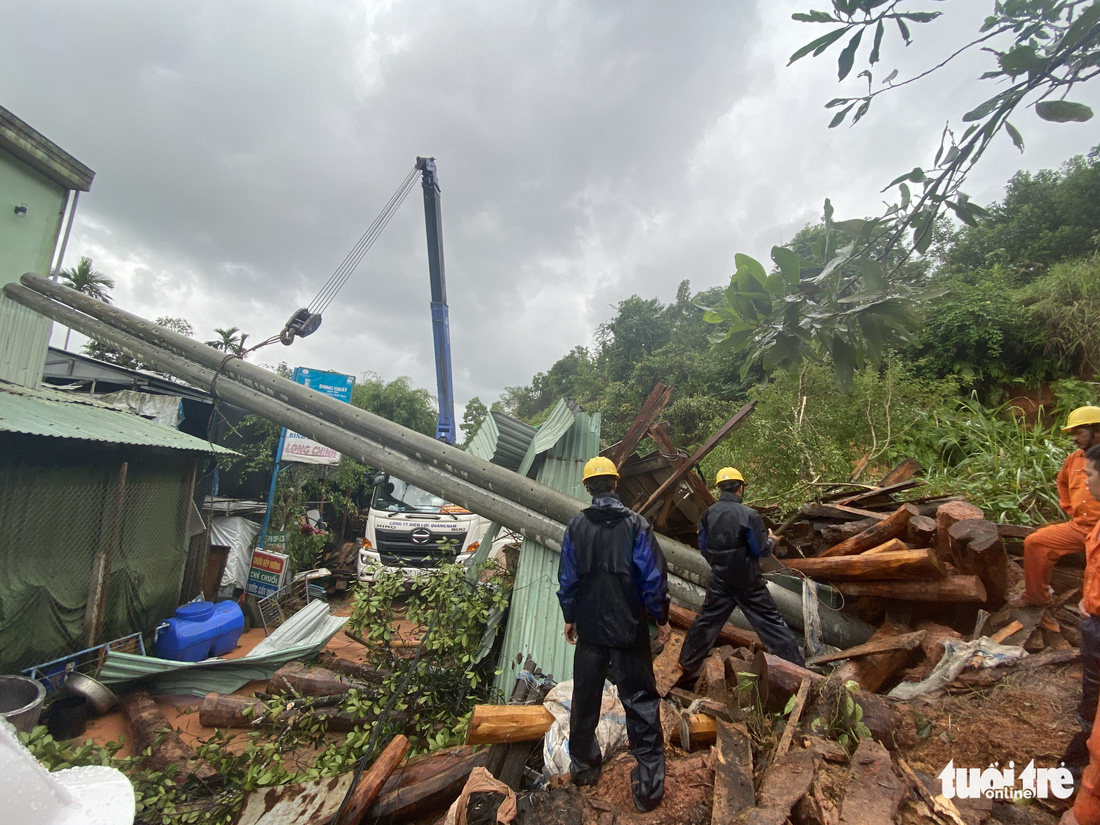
{"x": 42, "y": 155}
{"x": 44, "y": 412}
{"x": 71, "y": 370}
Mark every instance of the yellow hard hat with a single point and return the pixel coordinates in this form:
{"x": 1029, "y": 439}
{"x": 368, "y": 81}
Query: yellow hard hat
{"x": 729, "y": 474}
{"x": 1082, "y": 417}
{"x": 600, "y": 466}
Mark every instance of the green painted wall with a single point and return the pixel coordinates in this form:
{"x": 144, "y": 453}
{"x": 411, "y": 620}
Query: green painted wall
{"x": 27, "y": 244}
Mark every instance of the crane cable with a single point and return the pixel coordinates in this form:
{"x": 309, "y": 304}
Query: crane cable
{"x": 328, "y": 292}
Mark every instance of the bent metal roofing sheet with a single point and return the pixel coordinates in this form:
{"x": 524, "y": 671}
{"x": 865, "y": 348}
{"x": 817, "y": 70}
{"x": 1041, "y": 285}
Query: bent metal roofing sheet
{"x": 45, "y": 412}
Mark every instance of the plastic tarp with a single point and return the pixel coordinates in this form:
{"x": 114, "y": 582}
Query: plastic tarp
{"x": 237, "y": 534}
{"x": 300, "y": 637}
{"x": 957, "y": 657}
{"x": 610, "y": 732}
{"x": 163, "y": 409}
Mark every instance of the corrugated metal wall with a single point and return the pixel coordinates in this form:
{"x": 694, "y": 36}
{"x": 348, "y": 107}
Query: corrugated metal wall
{"x": 534, "y": 620}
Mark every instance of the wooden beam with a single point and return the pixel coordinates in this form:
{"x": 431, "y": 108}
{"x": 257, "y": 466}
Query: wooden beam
{"x": 793, "y": 719}
{"x": 700, "y": 454}
{"x": 951, "y": 589}
{"x": 922, "y": 563}
{"x": 733, "y": 773}
{"x": 490, "y": 724}
{"x": 904, "y": 471}
{"x": 698, "y": 488}
{"x": 838, "y": 511}
{"x": 891, "y": 527}
{"x": 430, "y": 795}
{"x": 651, "y": 409}
{"x": 906, "y": 641}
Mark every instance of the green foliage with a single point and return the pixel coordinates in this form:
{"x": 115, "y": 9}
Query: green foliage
{"x": 397, "y": 401}
{"x": 475, "y": 413}
{"x": 84, "y": 279}
{"x": 438, "y": 688}
{"x": 1064, "y": 307}
{"x": 230, "y": 340}
{"x": 842, "y": 716}
{"x": 996, "y": 460}
{"x": 805, "y": 432}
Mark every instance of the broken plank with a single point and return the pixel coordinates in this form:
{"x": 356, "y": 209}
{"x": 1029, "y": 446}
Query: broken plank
{"x": 699, "y": 455}
{"x": 902, "y": 472}
{"x": 1007, "y": 631}
{"x": 733, "y": 773}
{"x": 793, "y": 718}
{"x": 652, "y": 408}
{"x": 837, "y": 511}
{"x": 891, "y": 527}
{"x": 906, "y": 641}
{"x": 922, "y": 563}
{"x": 950, "y": 589}
{"x": 884, "y": 490}
{"x": 875, "y": 792}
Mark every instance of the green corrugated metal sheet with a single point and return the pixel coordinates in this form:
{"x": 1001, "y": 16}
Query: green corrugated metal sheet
{"x": 567, "y": 440}
{"x": 44, "y": 412}
{"x": 502, "y": 440}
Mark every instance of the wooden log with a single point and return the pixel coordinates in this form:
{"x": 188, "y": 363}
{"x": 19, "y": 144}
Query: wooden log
{"x": 921, "y": 531}
{"x": 217, "y": 711}
{"x": 951, "y": 589}
{"x": 891, "y": 546}
{"x": 892, "y": 526}
{"x": 427, "y": 796}
{"x": 838, "y": 511}
{"x": 149, "y": 728}
{"x": 425, "y": 765}
{"x": 370, "y": 783}
{"x": 947, "y": 514}
{"x": 301, "y": 680}
{"x": 979, "y": 550}
{"x": 357, "y": 671}
{"x": 1006, "y": 631}
{"x": 712, "y": 680}
{"x": 733, "y": 773}
{"x": 729, "y": 635}
{"x": 898, "y": 564}
{"x": 697, "y": 730}
{"x": 905, "y": 641}
{"x": 875, "y": 792}
{"x": 933, "y": 646}
{"x": 871, "y": 672}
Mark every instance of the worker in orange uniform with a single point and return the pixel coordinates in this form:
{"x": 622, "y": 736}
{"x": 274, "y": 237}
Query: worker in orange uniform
{"x": 1045, "y": 546}
{"x": 1086, "y": 808}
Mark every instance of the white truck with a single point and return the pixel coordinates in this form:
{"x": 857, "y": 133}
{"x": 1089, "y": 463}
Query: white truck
{"x": 412, "y": 529}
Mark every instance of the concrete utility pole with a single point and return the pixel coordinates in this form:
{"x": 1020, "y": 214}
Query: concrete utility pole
{"x": 519, "y": 503}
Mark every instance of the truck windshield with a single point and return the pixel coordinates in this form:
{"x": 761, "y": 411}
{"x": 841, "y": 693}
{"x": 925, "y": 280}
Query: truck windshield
{"x": 397, "y": 496}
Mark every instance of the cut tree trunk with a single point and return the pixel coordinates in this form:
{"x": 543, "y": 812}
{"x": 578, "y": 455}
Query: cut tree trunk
{"x": 300, "y": 680}
{"x": 871, "y": 672}
{"x": 217, "y": 711}
{"x": 922, "y": 563}
{"x": 149, "y": 728}
{"x": 947, "y": 514}
{"x": 891, "y": 527}
{"x": 951, "y": 589}
{"x": 921, "y": 531}
{"x": 979, "y": 550}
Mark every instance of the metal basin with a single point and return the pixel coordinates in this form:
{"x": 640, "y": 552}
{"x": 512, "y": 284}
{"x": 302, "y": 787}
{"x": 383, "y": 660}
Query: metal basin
{"x": 99, "y": 696}
{"x": 21, "y": 701}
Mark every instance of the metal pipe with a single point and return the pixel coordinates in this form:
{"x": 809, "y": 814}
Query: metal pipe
{"x": 416, "y": 446}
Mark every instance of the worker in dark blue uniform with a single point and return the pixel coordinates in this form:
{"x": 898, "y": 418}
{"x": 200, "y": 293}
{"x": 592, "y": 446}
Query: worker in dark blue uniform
{"x": 612, "y": 576}
{"x": 732, "y": 538}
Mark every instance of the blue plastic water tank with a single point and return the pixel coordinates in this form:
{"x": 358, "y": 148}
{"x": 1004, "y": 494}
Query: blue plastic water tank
{"x": 199, "y": 630}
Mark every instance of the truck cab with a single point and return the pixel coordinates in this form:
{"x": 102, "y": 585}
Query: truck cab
{"x": 414, "y": 530}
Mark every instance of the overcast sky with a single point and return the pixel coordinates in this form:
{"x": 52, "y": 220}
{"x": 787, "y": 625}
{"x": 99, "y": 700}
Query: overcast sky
{"x": 587, "y": 151}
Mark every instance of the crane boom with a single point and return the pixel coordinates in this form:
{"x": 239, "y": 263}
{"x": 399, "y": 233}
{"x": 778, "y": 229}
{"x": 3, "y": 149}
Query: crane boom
{"x": 441, "y": 325}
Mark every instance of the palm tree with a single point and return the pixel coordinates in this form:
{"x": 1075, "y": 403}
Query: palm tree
{"x": 230, "y": 341}
{"x": 84, "y": 279}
